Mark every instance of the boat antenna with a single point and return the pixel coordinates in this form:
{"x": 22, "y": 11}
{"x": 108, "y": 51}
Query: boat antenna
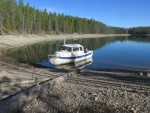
{"x": 64, "y": 41}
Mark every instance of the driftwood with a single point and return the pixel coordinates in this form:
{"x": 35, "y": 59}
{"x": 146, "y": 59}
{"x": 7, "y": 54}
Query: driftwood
{"x": 16, "y": 102}
{"x": 13, "y": 83}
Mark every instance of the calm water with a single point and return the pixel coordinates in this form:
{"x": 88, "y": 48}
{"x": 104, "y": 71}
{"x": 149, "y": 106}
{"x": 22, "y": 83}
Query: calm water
{"x": 109, "y": 53}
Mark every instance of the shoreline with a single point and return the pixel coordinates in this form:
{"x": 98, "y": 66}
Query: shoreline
{"x": 125, "y": 91}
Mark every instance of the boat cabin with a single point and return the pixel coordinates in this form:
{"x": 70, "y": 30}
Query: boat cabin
{"x": 72, "y": 47}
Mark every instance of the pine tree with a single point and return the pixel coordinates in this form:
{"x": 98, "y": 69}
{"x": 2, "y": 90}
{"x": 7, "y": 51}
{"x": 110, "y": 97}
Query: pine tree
{"x": 12, "y": 11}
{"x": 20, "y": 16}
{"x": 2, "y": 9}
{"x": 7, "y": 22}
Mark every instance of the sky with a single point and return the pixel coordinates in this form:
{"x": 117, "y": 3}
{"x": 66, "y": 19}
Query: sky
{"x": 118, "y": 13}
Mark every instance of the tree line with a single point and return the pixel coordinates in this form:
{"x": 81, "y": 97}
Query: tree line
{"x": 26, "y": 19}
{"x": 20, "y": 17}
{"x": 139, "y": 30}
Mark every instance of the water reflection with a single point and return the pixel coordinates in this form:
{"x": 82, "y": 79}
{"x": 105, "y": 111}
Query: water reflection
{"x": 79, "y": 64}
{"x": 38, "y": 52}
{"x": 109, "y": 52}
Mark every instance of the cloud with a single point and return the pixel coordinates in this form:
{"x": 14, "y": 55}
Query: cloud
{"x": 57, "y": 10}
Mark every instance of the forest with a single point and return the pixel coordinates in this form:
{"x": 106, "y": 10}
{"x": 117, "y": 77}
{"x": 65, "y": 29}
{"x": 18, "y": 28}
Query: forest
{"x": 139, "y": 30}
{"x": 24, "y": 19}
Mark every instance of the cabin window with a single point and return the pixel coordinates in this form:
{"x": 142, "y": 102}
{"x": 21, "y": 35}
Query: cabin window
{"x": 81, "y": 49}
{"x": 69, "y": 49}
{"x": 75, "y": 49}
{"x": 65, "y": 49}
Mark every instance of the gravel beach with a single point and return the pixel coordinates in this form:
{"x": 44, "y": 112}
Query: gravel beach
{"x": 123, "y": 92}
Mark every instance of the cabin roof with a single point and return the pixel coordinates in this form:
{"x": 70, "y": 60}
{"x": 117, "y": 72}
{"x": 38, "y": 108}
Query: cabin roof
{"x": 72, "y": 45}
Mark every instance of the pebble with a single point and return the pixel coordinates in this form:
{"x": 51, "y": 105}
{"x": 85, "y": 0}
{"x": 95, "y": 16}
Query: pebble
{"x": 148, "y": 75}
{"x": 85, "y": 94}
{"x": 96, "y": 99}
{"x": 141, "y": 74}
{"x": 93, "y": 94}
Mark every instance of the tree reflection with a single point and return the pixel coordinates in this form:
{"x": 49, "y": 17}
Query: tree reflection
{"x": 35, "y": 53}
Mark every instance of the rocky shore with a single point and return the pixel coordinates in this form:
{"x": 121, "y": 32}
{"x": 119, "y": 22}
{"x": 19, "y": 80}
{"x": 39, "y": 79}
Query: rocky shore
{"x": 119, "y": 92}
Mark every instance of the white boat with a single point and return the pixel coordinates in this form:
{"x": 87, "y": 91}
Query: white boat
{"x": 69, "y": 53}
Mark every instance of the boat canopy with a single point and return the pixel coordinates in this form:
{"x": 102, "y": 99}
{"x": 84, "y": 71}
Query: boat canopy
{"x": 72, "y": 45}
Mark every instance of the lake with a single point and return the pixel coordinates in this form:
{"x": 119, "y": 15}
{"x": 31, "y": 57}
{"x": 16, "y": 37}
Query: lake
{"x": 131, "y": 52}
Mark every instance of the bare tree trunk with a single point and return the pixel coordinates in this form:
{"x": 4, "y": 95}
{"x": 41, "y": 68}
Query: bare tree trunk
{"x": 1, "y": 23}
{"x": 22, "y": 27}
{"x": 49, "y": 26}
{"x": 0, "y": 27}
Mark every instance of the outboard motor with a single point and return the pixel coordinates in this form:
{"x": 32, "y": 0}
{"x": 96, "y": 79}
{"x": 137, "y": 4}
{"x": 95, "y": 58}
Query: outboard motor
{"x": 86, "y": 50}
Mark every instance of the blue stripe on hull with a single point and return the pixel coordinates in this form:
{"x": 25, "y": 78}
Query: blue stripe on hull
{"x": 75, "y": 57}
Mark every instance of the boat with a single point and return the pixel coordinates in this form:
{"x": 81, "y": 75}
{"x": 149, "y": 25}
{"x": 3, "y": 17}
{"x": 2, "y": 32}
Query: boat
{"x": 69, "y": 53}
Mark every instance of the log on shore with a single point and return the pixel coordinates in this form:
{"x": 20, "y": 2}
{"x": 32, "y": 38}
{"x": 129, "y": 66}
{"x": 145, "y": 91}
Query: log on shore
{"x": 16, "y": 102}
{"x": 14, "y": 83}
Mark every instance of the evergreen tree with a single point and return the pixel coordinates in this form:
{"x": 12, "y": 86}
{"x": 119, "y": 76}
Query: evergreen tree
{"x": 12, "y": 8}
{"x": 7, "y": 21}
{"x": 20, "y": 15}
{"x": 2, "y": 11}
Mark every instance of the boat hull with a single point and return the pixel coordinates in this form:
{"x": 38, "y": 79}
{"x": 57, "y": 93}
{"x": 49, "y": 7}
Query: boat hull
{"x": 65, "y": 60}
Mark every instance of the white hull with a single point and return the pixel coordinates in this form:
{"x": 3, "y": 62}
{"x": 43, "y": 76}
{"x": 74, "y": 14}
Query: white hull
{"x": 65, "y": 60}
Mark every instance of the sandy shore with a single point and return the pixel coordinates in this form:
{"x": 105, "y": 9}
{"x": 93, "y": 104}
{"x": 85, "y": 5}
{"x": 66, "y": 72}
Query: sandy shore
{"x": 123, "y": 92}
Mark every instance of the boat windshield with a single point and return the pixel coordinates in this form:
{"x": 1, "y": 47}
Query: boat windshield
{"x": 65, "y": 49}
{"x": 76, "y": 49}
